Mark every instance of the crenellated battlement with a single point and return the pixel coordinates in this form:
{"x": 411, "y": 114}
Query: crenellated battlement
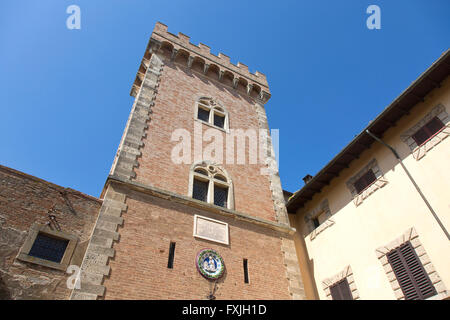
{"x": 179, "y": 49}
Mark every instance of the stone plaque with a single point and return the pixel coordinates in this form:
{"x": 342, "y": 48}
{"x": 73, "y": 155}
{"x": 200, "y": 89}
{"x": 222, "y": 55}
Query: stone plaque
{"x": 210, "y": 229}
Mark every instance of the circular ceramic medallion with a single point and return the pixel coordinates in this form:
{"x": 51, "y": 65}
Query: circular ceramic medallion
{"x": 210, "y": 264}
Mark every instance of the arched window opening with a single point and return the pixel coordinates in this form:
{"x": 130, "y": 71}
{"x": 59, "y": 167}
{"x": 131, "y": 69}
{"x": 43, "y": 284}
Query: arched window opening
{"x": 211, "y": 184}
{"x": 209, "y": 111}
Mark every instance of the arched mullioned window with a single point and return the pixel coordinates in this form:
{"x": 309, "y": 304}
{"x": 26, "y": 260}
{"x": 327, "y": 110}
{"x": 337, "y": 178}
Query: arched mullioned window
{"x": 212, "y": 184}
{"x": 210, "y": 111}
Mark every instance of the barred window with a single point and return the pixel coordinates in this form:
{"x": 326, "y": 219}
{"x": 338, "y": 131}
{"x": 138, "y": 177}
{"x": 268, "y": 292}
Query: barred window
{"x": 209, "y": 111}
{"x": 210, "y": 183}
{"x": 200, "y": 190}
{"x": 48, "y": 247}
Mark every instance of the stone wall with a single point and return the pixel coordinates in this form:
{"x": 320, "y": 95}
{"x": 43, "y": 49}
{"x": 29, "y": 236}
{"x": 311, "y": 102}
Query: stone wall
{"x": 24, "y": 201}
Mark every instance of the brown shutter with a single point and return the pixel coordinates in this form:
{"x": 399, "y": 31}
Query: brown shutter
{"x": 428, "y": 130}
{"x": 341, "y": 291}
{"x": 367, "y": 179}
{"x": 410, "y": 274}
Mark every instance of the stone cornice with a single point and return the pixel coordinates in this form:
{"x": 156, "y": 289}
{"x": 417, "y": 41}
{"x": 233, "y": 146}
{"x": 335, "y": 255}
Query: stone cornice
{"x": 164, "y": 194}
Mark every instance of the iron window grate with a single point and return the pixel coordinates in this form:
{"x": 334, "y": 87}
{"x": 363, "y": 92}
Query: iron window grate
{"x": 219, "y": 121}
{"x": 220, "y": 196}
{"x": 203, "y": 114}
{"x": 48, "y": 248}
{"x": 200, "y": 190}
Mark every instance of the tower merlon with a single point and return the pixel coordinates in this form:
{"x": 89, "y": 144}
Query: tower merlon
{"x": 178, "y": 48}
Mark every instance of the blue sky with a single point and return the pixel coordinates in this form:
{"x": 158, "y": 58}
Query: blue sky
{"x": 64, "y": 94}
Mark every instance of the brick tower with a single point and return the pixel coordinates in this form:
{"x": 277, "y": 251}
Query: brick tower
{"x": 166, "y": 199}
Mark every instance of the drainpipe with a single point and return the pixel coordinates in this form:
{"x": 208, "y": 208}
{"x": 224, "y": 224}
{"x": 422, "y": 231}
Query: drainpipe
{"x": 412, "y": 180}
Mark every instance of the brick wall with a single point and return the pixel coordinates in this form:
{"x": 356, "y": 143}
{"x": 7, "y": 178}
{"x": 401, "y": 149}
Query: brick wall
{"x": 25, "y": 200}
{"x": 174, "y": 108}
{"x": 139, "y": 268}
{"x": 146, "y": 203}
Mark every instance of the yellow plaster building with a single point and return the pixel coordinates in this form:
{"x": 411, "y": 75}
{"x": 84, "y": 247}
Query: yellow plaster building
{"x": 374, "y": 222}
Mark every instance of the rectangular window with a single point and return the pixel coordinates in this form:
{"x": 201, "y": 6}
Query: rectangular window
{"x": 366, "y": 180}
{"x": 220, "y": 196}
{"x": 428, "y": 130}
{"x": 171, "y": 255}
{"x": 246, "y": 271}
{"x": 219, "y": 120}
{"x": 200, "y": 190}
{"x": 341, "y": 291}
{"x": 203, "y": 114}
{"x": 48, "y": 247}
{"x": 410, "y": 273}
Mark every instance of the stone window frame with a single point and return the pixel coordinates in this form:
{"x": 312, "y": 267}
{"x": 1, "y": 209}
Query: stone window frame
{"x": 412, "y": 236}
{"x": 346, "y": 273}
{"x": 380, "y": 182}
{"x": 35, "y": 229}
{"x": 212, "y": 170}
{"x": 214, "y": 106}
{"x": 419, "y": 152}
{"x": 322, "y": 208}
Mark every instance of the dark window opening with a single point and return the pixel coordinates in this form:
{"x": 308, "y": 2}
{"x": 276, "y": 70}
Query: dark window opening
{"x": 219, "y": 121}
{"x": 316, "y": 222}
{"x": 410, "y": 273}
{"x": 220, "y": 196}
{"x": 49, "y": 248}
{"x": 366, "y": 180}
{"x": 203, "y": 114}
{"x": 246, "y": 271}
{"x": 341, "y": 291}
{"x": 171, "y": 255}
{"x": 428, "y": 130}
{"x": 200, "y": 190}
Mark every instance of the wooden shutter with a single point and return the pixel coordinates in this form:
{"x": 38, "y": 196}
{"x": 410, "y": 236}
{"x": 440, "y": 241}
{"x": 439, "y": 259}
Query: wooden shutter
{"x": 341, "y": 291}
{"x": 428, "y": 130}
{"x": 410, "y": 274}
{"x": 367, "y": 179}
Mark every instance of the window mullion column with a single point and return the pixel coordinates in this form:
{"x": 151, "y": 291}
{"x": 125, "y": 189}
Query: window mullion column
{"x": 211, "y": 191}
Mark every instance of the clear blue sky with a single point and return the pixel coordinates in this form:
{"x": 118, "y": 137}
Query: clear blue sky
{"x": 64, "y": 94}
